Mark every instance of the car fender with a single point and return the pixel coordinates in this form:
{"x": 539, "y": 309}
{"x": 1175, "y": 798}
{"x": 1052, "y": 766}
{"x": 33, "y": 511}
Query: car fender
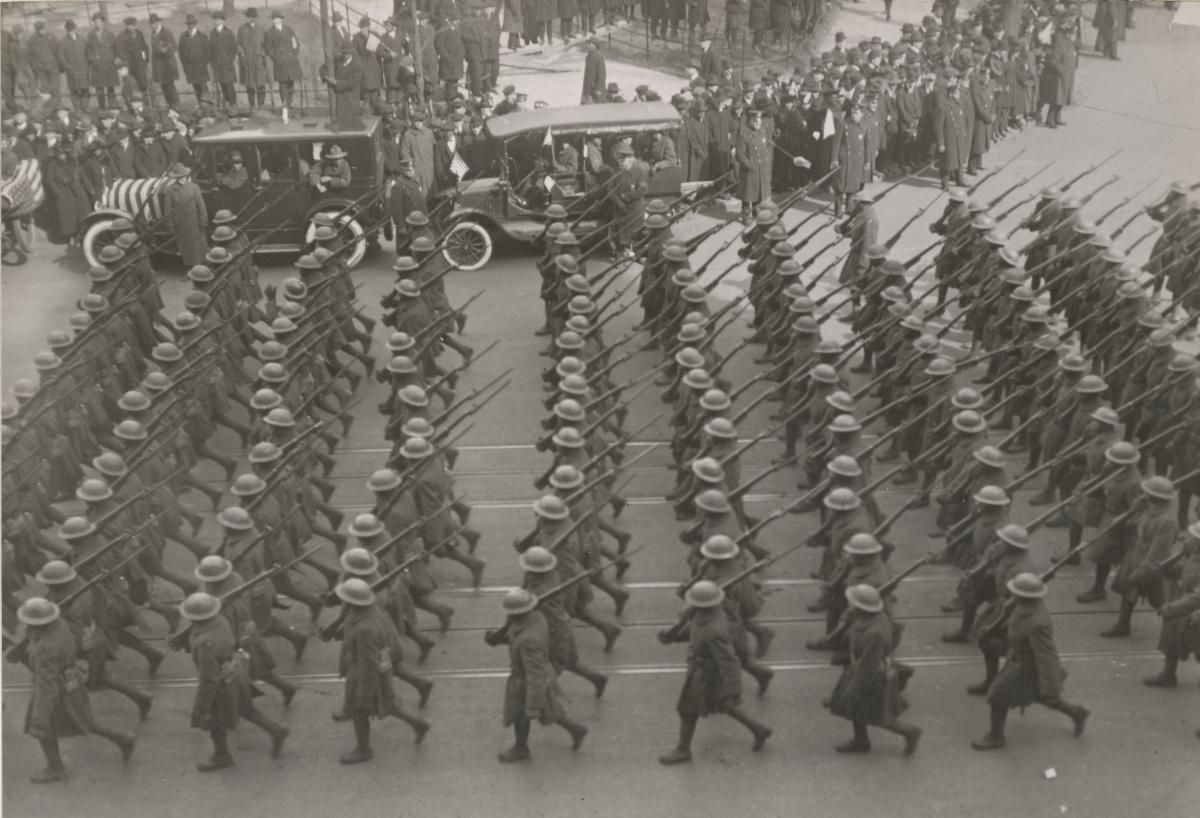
{"x": 338, "y": 204}
{"x": 109, "y": 213}
{"x": 482, "y": 217}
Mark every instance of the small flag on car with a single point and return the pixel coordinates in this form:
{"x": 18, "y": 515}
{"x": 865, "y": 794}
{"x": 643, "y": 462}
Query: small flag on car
{"x": 549, "y": 183}
{"x": 548, "y": 139}
{"x": 458, "y": 167}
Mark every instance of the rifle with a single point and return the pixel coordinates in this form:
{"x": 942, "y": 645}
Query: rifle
{"x": 1071, "y": 182}
{"x": 334, "y": 629}
{"x": 885, "y": 590}
{"x": 83, "y": 562}
{"x": 257, "y": 538}
{"x": 18, "y": 652}
{"x": 179, "y": 639}
{"x": 544, "y": 480}
{"x": 895, "y": 237}
{"x": 498, "y": 636}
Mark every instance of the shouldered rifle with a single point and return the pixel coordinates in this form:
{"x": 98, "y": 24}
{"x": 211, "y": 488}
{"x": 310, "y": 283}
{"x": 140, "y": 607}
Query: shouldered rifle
{"x": 676, "y": 631}
{"x": 179, "y": 639}
{"x": 19, "y": 652}
{"x": 699, "y": 271}
{"x": 975, "y": 187}
{"x": 86, "y": 560}
{"x": 461, "y": 366}
{"x": 1014, "y": 208}
{"x": 1071, "y": 182}
{"x": 380, "y": 549}
{"x": 1004, "y": 193}
{"x": 441, "y": 417}
{"x": 499, "y": 636}
{"x": 266, "y": 532}
{"x": 616, "y": 390}
{"x": 885, "y": 590}
{"x": 192, "y": 342}
{"x": 334, "y": 629}
{"x": 895, "y": 237}
{"x": 728, "y": 356}
{"x": 544, "y": 479}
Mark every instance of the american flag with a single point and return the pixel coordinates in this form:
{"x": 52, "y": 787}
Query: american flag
{"x": 458, "y": 167}
{"x": 23, "y": 192}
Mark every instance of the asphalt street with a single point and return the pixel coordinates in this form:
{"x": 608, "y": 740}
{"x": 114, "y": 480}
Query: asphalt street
{"x": 1139, "y": 755}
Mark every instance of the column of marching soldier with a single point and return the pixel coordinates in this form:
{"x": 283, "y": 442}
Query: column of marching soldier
{"x": 940, "y": 433}
{"x": 126, "y": 407}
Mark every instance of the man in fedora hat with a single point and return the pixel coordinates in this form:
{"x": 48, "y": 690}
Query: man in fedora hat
{"x": 132, "y": 48}
{"x": 252, "y": 59}
{"x": 101, "y": 58}
{"x": 59, "y": 704}
{"x": 195, "y": 54}
{"x": 222, "y": 55}
{"x": 346, "y": 83}
{"x": 164, "y": 68}
{"x": 283, "y": 49}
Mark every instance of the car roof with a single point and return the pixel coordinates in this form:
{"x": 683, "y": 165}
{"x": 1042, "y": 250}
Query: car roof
{"x": 260, "y": 128}
{"x": 604, "y": 118}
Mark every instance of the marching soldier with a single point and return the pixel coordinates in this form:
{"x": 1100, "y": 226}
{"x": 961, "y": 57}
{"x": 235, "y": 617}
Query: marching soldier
{"x": 223, "y": 689}
{"x": 59, "y": 705}
{"x": 868, "y": 691}
{"x": 1033, "y": 672}
{"x": 532, "y": 691}
{"x": 713, "y": 683}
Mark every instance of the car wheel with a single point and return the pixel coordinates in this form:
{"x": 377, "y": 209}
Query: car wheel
{"x": 95, "y": 236}
{"x": 349, "y": 230}
{"x": 469, "y": 245}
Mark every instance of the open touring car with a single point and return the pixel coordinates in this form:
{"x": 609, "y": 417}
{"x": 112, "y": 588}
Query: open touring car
{"x": 512, "y": 199}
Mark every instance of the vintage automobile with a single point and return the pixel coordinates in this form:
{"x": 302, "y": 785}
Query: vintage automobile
{"x": 276, "y": 201}
{"x": 509, "y": 198}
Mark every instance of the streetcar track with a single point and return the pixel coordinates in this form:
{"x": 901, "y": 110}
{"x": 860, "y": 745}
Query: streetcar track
{"x": 657, "y": 669}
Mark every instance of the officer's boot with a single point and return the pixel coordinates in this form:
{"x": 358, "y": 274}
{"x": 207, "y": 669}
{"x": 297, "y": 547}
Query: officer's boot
{"x": 443, "y": 612}
{"x": 135, "y": 643}
{"x": 991, "y": 667}
{"x": 682, "y": 753}
{"x": 142, "y": 699}
{"x": 520, "y": 749}
{"x": 423, "y": 686}
{"x": 1124, "y": 621}
{"x": 285, "y": 687}
{"x": 760, "y": 731}
{"x": 362, "y": 742}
